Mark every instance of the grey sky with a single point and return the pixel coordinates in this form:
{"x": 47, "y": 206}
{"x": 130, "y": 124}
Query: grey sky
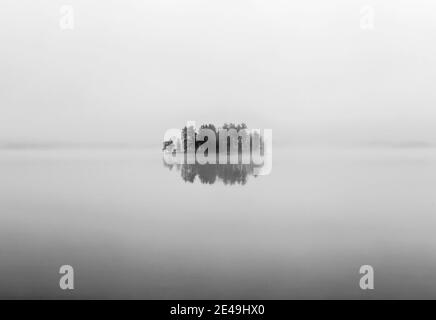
{"x": 132, "y": 69}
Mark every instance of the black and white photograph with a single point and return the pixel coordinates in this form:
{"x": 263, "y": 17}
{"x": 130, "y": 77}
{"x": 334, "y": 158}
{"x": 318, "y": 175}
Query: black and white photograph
{"x": 238, "y": 150}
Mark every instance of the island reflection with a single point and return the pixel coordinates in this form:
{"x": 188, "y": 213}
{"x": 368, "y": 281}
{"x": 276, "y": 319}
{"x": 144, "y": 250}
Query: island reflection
{"x": 229, "y": 174}
{"x": 230, "y": 140}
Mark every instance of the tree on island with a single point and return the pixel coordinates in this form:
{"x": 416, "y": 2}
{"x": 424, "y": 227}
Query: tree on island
{"x": 189, "y": 135}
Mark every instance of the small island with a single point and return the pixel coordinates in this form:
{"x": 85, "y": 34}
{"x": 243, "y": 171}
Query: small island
{"x": 229, "y": 138}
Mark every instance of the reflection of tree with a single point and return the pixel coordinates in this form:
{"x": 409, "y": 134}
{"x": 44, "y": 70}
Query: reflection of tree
{"x": 206, "y": 173}
{"x": 235, "y": 138}
{"x": 188, "y": 173}
{"x": 229, "y": 174}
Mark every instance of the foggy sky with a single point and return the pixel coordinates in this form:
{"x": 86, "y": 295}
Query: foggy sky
{"x": 132, "y": 69}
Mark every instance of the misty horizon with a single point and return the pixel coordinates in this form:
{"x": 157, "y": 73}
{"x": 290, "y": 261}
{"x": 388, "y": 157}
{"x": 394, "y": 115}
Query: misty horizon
{"x": 130, "y": 72}
{"x": 54, "y": 144}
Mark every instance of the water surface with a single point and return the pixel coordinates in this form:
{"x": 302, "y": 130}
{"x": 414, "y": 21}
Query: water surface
{"x": 133, "y": 228}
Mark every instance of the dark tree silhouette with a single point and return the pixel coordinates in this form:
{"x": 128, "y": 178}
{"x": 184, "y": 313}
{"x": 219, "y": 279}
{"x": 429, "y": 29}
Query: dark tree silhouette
{"x": 253, "y": 139}
{"x": 229, "y": 174}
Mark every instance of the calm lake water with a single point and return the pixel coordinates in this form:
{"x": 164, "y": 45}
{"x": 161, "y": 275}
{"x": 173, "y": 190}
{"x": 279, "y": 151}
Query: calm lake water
{"x": 133, "y": 228}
